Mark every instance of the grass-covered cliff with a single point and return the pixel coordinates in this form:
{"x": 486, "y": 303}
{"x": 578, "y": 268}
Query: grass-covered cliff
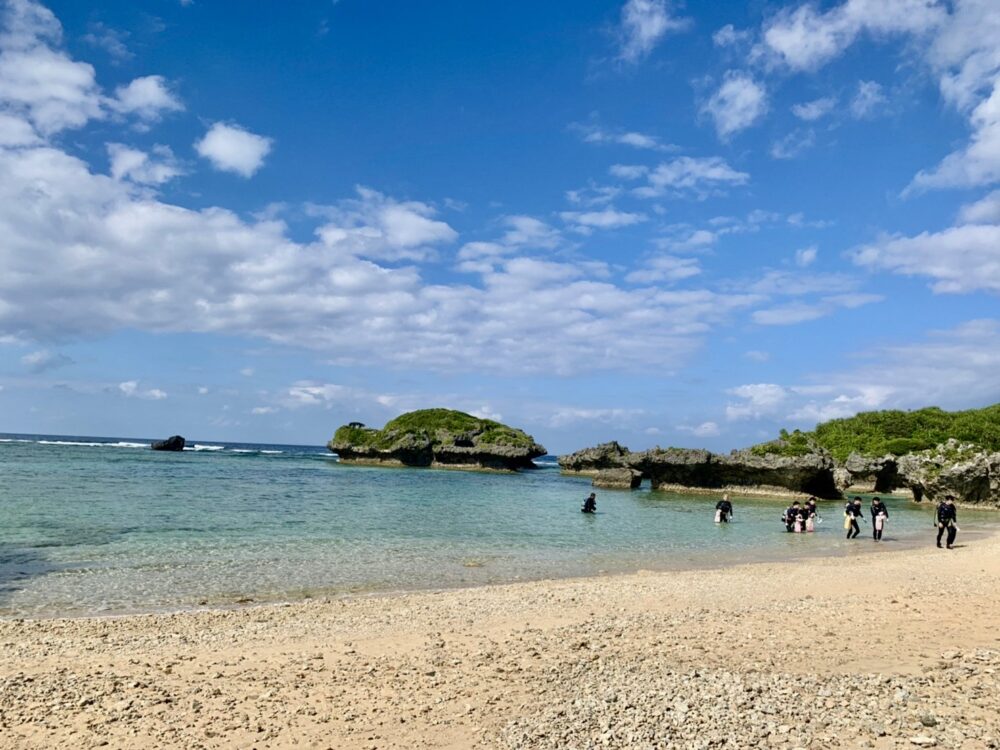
{"x": 877, "y": 433}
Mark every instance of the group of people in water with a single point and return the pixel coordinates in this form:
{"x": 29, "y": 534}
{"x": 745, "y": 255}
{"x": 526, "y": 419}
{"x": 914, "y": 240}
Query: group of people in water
{"x": 803, "y": 518}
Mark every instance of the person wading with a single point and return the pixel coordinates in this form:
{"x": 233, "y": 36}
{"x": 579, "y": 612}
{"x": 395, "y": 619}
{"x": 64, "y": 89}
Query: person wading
{"x": 852, "y": 512}
{"x": 880, "y": 515}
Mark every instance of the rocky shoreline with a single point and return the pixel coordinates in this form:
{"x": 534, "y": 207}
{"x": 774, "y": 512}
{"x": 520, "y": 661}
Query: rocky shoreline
{"x": 969, "y": 473}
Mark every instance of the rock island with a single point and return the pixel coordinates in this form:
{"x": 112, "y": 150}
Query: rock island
{"x": 441, "y": 438}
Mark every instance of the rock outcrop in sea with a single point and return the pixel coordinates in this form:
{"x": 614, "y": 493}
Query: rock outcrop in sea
{"x": 440, "y": 438}
{"x": 964, "y": 470}
{"x": 172, "y": 443}
{"x": 614, "y": 466}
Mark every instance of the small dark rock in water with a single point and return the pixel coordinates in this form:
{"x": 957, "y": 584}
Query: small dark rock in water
{"x": 174, "y": 443}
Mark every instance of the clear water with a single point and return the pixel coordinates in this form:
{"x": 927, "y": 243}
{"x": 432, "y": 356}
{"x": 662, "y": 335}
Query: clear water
{"x": 92, "y": 525}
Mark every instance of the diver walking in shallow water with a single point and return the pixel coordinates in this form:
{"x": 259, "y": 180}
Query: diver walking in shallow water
{"x": 590, "y": 504}
{"x": 792, "y": 515}
{"x": 723, "y": 510}
{"x": 880, "y": 514}
{"x": 852, "y": 512}
{"x": 947, "y": 518}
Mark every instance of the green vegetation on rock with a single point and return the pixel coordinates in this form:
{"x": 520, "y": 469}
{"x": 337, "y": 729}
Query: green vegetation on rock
{"x": 877, "y": 433}
{"x": 435, "y": 423}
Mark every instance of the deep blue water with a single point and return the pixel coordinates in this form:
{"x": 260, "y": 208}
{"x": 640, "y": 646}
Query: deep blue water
{"x": 90, "y": 525}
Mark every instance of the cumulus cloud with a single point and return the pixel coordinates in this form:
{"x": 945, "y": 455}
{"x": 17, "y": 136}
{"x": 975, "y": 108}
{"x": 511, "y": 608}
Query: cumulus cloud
{"x": 951, "y": 368}
{"x": 130, "y": 389}
{"x": 667, "y": 268}
{"x": 737, "y": 104}
{"x": 868, "y": 99}
{"x": 146, "y": 169}
{"x": 805, "y": 38}
{"x": 701, "y": 176}
{"x": 730, "y": 36}
{"x": 806, "y": 256}
{"x": 38, "y": 81}
{"x": 643, "y": 24}
{"x": 984, "y": 211}
{"x": 148, "y": 98}
{"x": 608, "y": 218}
{"x": 231, "y": 148}
{"x": 793, "y": 144}
{"x": 959, "y": 259}
{"x": 815, "y": 109}
{"x": 594, "y": 133}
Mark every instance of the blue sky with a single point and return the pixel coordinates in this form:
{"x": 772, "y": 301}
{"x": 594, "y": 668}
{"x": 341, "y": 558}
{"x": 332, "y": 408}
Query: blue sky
{"x": 635, "y": 220}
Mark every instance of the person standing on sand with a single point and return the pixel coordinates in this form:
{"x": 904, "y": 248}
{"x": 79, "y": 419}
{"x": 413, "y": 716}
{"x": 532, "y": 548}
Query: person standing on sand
{"x": 723, "y": 510}
{"x": 852, "y": 512}
{"x": 590, "y": 504}
{"x": 947, "y": 518}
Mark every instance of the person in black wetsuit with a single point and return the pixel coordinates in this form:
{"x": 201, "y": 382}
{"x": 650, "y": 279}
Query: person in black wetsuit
{"x": 878, "y": 509}
{"x": 725, "y": 509}
{"x": 854, "y": 512}
{"x": 590, "y": 504}
{"x": 811, "y": 512}
{"x": 947, "y": 517}
{"x": 792, "y": 513}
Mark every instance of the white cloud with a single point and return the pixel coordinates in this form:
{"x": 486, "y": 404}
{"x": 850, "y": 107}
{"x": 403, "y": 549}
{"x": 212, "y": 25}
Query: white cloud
{"x": 643, "y": 24}
{"x": 608, "y": 218}
{"x": 665, "y": 268}
{"x": 978, "y": 163}
{"x": 376, "y": 226}
{"x": 758, "y": 400}
{"x": 806, "y": 38}
{"x": 43, "y": 360}
{"x": 806, "y": 256}
{"x": 628, "y": 171}
{"x": 37, "y": 81}
{"x": 15, "y": 131}
{"x": 953, "y": 369}
{"x": 202, "y": 391}
{"x": 247, "y": 372}
{"x": 259, "y": 410}
{"x": 705, "y": 429}
{"x": 984, "y": 211}
{"x": 868, "y": 99}
{"x": 756, "y": 355}
{"x": 130, "y": 388}
{"x": 737, "y": 104}
{"x": 793, "y": 144}
{"x": 960, "y": 259}
{"x": 570, "y": 415}
{"x": 701, "y": 176}
{"x": 729, "y": 36}
{"x": 594, "y": 133}
{"x": 485, "y": 412}
{"x": 132, "y": 164}
{"x": 147, "y": 98}
{"x": 230, "y": 148}
{"x": 815, "y": 109}
{"x": 110, "y": 40}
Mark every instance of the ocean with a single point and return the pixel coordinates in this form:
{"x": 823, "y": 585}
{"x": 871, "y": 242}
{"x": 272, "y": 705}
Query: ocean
{"x": 106, "y": 525}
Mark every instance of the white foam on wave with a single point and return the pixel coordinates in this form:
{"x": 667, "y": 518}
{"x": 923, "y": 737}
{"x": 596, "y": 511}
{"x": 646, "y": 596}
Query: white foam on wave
{"x": 272, "y": 452}
{"x": 197, "y": 447}
{"x": 15, "y": 440}
{"x": 89, "y": 445}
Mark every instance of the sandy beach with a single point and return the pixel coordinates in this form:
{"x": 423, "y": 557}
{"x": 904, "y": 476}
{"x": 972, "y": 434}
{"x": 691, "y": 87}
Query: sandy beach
{"x": 896, "y": 649}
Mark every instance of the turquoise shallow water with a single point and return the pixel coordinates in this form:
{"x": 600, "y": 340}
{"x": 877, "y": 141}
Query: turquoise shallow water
{"x": 96, "y": 525}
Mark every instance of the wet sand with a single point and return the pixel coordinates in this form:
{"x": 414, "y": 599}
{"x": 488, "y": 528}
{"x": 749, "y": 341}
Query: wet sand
{"x": 897, "y": 649}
